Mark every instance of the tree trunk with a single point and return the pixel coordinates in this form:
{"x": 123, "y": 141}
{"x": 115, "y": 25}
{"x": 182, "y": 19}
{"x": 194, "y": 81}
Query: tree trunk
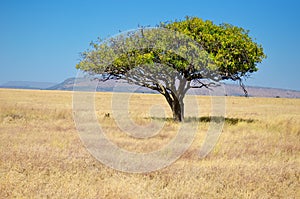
{"x": 176, "y": 104}
{"x": 177, "y": 107}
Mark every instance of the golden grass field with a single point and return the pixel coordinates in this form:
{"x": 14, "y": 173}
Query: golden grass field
{"x": 42, "y": 156}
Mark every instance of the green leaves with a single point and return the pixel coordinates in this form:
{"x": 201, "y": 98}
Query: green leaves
{"x": 230, "y": 47}
{"x": 189, "y": 46}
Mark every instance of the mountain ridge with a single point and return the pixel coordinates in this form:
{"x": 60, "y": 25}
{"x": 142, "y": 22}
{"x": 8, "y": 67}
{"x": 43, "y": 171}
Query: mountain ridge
{"x": 27, "y": 85}
{"x": 119, "y": 86}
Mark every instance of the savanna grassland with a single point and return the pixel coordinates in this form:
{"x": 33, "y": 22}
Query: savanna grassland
{"x": 41, "y": 154}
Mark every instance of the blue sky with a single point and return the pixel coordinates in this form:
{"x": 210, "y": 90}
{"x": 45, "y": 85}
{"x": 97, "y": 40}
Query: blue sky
{"x": 41, "y": 40}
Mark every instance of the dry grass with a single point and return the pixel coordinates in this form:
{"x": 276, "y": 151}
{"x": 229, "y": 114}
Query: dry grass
{"x": 41, "y": 155}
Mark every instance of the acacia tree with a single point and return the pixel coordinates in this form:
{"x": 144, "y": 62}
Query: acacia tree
{"x": 175, "y": 57}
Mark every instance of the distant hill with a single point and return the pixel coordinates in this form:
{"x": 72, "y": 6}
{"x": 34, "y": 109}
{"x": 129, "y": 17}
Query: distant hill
{"x": 107, "y": 86}
{"x": 65, "y": 85}
{"x": 230, "y": 89}
{"x": 121, "y": 86}
{"x": 27, "y": 85}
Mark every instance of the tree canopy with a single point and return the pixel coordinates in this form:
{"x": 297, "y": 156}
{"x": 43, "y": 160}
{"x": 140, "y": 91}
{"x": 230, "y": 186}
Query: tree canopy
{"x": 231, "y": 48}
{"x": 175, "y": 56}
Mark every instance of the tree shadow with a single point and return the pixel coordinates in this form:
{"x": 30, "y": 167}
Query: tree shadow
{"x": 206, "y": 119}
